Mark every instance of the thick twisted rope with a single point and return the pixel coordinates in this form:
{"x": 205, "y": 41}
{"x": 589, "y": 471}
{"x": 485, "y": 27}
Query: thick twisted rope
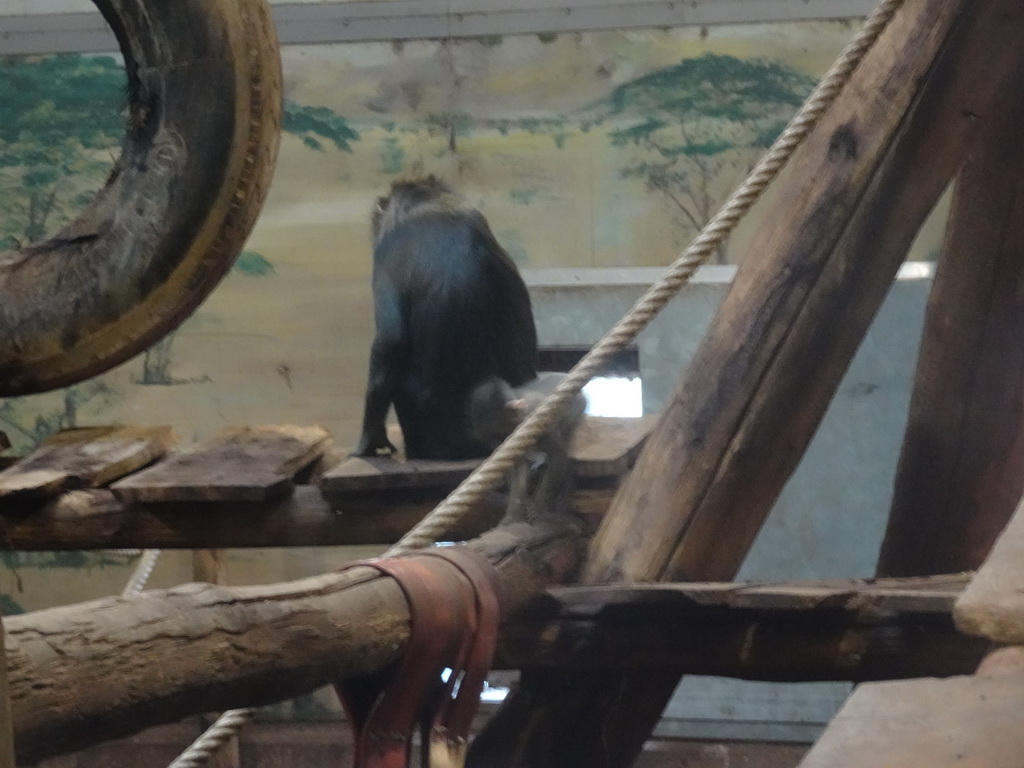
{"x": 214, "y": 738}
{"x": 492, "y": 472}
{"x": 143, "y": 570}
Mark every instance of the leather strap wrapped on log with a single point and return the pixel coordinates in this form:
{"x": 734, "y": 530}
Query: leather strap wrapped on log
{"x": 455, "y": 608}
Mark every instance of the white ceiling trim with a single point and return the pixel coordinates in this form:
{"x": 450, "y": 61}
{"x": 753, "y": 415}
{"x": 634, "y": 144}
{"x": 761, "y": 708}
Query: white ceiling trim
{"x": 343, "y": 22}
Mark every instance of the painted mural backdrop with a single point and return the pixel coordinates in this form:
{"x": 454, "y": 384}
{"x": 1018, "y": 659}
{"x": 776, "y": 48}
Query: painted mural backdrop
{"x": 604, "y": 149}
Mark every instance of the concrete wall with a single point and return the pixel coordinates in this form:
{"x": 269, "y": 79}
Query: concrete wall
{"x": 829, "y": 521}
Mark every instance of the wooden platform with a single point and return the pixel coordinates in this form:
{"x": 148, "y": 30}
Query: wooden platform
{"x": 122, "y": 487}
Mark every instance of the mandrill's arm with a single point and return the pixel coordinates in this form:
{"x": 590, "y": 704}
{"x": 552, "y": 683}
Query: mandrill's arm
{"x": 387, "y": 363}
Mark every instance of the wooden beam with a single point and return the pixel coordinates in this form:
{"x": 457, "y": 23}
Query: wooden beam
{"x": 757, "y": 387}
{"x": 993, "y": 603}
{"x": 84, "y": 520}
{"x": 785, "y": 632}
{"x": 962, "y": 721}
{"x": 601, "y": 447}
{"x": 961, "y": 470}
{"x": 87, "y": 673}
{"x": 781, "y": 340}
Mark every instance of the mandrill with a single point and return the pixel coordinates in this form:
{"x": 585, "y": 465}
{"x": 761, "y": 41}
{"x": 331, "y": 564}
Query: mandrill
{"x": 451, "y": 312}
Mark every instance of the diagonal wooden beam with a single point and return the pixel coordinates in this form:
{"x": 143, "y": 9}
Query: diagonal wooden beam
{"x": 961, "y": 470}
{"x": 775, "y": 351}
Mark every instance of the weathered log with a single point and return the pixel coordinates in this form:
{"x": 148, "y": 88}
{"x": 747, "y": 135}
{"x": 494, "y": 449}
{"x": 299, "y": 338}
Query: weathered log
{"x": 87, "y": 673}
{"x": 97, "y": 520}
{"x": 961, "y": 471}
{"x": 775, "y": 351}
{"x": 1008, "y": 660}
{"x": 210, "y": 567}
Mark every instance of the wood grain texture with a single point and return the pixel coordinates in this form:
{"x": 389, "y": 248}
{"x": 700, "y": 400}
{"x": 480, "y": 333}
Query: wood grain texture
{"x": 993, "y": 603}
{"x": 782, "y": 632}
{"x": 602, "y": 447}
{"x": 96, "y": 519}
{"x": 608, "y": 446}
{"x": 83, "y": 458}
{"x": 88, "y": 673}
{"x": 961, "y": 722}
{"x": 235, "y": 464}
{"x": 176, "y": 209}
{"x": 961, "y": 469}
{"x": 781, "y": 340}
{"x": 756, "y": 389}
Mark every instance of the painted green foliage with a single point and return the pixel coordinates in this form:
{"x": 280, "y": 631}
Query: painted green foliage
{"x": 701, "y": 124}
{"x": 314, "y": 125}
{"x": 61, "y": 125}
{"x": 688, "y": 132}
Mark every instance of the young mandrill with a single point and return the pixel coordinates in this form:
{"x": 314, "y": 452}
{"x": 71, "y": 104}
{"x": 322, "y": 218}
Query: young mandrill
{"x": 542, "y": 482}
{"x": 451, "y": 311}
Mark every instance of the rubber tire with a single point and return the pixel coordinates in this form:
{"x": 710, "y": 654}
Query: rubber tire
{"x": 203, "y": 128}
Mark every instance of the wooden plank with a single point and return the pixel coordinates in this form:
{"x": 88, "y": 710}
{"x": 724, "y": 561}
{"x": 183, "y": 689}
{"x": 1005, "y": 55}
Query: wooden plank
{"x": 96, "y": 519}
{"x": 358, "y": 473}
{"x": 757, "y": 387}
{"x": 607, "y": 446}
{"x": 993, "y": 603}
{"x": 961, "y": 470}
{"x": 83, "y": 458}
{"x": 783, "y": 632}
{"x": 934, "y": 594}
{"x": 236, "y": 464}
{"x": 961, "y": 722}
{"x": 602, "y": 447}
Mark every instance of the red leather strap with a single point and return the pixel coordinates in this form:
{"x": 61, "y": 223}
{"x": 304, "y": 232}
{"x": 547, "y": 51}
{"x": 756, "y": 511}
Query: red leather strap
{"x": 449, "y": 735}
{"x": 454, "y": 607}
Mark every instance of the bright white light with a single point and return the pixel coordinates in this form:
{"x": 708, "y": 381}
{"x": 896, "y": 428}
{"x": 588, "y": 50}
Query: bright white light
{"x": 614, "y": 396}
{"x": 916, "y": 270}
{"x": 495, "y": 693}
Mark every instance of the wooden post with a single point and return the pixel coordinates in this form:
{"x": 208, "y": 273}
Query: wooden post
{"x": 774, "y": 354}
{"x": 6, "y": 723}
{"x": 961, "y": 470}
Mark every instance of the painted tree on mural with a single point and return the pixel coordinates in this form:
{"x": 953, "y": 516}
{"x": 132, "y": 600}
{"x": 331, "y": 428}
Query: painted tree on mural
{"x": 61, "y": 125}
{"x": 699, "y": 126}
{"x": 61, "y": 122}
